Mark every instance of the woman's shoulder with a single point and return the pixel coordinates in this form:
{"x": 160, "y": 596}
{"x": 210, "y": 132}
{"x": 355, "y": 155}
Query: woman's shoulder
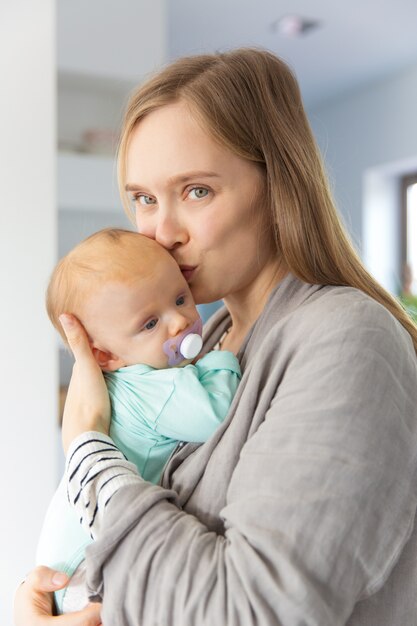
{"x": 334, "y": 306}
{"x": 341, "y": 318}
{"x": 322, "y": 305}
{"x": 339, "y": 302}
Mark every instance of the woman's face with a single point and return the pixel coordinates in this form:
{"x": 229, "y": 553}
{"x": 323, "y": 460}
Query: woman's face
{"x": 200, "y": 201}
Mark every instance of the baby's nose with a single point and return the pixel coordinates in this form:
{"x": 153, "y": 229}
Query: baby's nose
{"x": 178, "y": 324}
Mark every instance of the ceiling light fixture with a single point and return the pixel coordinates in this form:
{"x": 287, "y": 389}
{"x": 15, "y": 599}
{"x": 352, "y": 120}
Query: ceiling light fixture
{"x": 294, "y": 25}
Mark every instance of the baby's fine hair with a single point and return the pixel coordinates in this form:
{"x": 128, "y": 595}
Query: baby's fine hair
{"x": 111, "y": 254}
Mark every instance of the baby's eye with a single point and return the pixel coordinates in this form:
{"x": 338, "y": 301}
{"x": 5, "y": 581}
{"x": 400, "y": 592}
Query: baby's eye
{"x": 197, "y": 193}
{"x": 180, "y": 301}
{"x": 151, "y": 324}
{"x": 142, "y": 198}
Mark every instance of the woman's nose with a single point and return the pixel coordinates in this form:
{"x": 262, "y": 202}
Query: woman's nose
{"x": 170, "y": 232}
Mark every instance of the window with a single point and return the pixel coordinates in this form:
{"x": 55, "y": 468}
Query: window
{"x": 409, "y": 244}
{"x": 409, "y": 247}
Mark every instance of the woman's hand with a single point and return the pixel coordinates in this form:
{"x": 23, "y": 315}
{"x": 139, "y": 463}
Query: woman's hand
{"x": 33, "y": 602}
{"x": 87, "y": 406}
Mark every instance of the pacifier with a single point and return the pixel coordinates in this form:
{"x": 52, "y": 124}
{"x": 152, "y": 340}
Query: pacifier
{"x": 186, "y": 345}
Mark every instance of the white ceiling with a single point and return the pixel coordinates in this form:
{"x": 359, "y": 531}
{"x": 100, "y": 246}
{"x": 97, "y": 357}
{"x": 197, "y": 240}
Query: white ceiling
{"x": 357, "y": 42}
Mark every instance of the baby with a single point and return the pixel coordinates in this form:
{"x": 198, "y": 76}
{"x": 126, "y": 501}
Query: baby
{"x": 144, "y": 331}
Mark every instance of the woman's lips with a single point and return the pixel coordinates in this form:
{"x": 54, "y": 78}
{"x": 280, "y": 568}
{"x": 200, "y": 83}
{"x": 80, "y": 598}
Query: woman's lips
{"x": 187, "y": 271}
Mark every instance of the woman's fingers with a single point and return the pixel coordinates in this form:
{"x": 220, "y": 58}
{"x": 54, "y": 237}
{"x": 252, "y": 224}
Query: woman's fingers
{"x": 44, "y": 578}
{"x": 33, "y": 598}
{"x": 87, "y": 406}
{"x": 76, "y": 336}
{"x": 33, "y": 602}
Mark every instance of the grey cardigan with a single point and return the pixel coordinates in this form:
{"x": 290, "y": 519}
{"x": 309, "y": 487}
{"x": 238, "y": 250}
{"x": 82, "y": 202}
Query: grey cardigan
{"x": 300, "y": 510}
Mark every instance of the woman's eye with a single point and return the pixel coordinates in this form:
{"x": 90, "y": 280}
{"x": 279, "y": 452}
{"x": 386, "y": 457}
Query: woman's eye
{"x": 151, "y": 324}
{"x": 180, "y": 301}
{"x": 144, "y": 199}
{"x": 198, "y": 192}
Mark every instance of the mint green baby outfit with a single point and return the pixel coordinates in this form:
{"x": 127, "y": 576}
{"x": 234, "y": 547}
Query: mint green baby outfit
{"x": 152, "y": 411}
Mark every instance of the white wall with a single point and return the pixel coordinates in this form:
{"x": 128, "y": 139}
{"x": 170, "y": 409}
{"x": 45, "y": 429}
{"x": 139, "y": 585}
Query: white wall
{"x": 28, "y": 373}
{"x": 374, "y": 127}
{"x": 87, "y": 183}
{"x": 126, "y": 43}
{"x": 105, "y": 48}
{"x": 88, "y": 105}
{"x": 381, "y": 235}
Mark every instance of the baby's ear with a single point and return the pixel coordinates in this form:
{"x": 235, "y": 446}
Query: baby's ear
{"x": 107, "y": 362}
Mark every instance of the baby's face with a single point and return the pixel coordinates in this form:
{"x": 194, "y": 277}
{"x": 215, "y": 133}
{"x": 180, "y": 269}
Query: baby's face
{"x": 132, "y": 320}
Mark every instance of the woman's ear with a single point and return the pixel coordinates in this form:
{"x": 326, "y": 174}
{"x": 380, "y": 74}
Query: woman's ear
{"x": 107, "y": 362}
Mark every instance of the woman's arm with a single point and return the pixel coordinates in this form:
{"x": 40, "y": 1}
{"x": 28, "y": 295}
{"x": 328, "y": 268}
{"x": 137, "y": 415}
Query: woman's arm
{"x": 319, "y": 508}
{"x": 88, "y": 401}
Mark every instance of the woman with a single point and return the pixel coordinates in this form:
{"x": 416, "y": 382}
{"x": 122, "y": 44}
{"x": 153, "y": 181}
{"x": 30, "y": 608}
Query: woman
{"x": 300, "y": 509}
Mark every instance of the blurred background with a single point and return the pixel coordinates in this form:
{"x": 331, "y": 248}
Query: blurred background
{"x": 67, "y": 69}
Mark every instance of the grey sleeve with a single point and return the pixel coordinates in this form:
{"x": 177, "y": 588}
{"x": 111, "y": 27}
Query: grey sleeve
{"x": 319, "y": 508}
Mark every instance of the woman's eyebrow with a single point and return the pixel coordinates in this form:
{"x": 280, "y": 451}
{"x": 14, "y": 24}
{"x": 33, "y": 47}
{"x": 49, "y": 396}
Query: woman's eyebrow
{"x": 179, "y": 178}
{"x": 184, "y": 178}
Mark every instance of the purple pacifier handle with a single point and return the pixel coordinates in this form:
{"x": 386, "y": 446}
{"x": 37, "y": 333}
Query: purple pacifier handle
{"x": 171, "y": 347}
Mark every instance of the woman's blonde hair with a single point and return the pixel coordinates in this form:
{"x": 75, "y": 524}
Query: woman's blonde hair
{"x": 250, "y": 102}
